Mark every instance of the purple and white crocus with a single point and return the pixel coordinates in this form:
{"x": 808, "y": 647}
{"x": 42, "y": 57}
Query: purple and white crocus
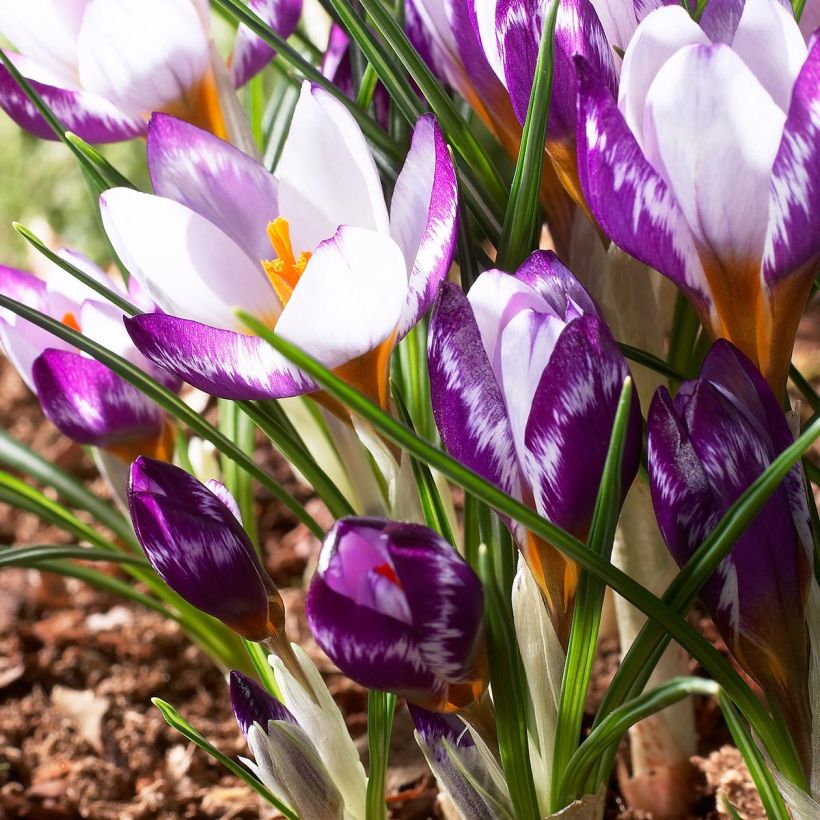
{"x": 312, "y": 252}
{"x": 396, "y": 608}
{"x": 706, "y": 446}
{"x": 83, "y": 398}
{"x": 103, "y": 66}
{"x": 706, "y": 166}
{"x": 525, "y": 379}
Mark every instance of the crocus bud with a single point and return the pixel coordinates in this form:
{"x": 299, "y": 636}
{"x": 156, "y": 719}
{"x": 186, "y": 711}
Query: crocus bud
{"x": 195, "y": 542}
{"x": 397, "y": 609}
{"x": 721, "y": 431}
{"x": 525, "y": 380}
{"x": 286, "y": 760}
{"x": 467, "y": 771}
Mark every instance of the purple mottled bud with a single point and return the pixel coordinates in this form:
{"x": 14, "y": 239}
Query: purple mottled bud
{"x": 195, "y": 542}
{"x": 398, "y": 609}
{"x": 706, "y": 446}
{"x": 252, "y": 704}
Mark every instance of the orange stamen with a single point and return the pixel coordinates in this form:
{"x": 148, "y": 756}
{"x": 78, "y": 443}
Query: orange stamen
{"x": 386, "y": 571}
{"x": 283, "y": 271}
{"x": 71, "y": 321}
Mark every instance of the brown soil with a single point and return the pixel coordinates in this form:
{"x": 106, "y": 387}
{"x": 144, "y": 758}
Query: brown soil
{"x": 79, "y": 737}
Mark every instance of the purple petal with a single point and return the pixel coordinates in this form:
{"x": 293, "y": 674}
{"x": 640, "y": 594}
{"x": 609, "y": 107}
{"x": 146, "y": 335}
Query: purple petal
{"x": 220, "y": 362}
{"x": 630, "y": 201}
{"x": 200, "y": 550}
{"x": 467, "y": 403}
{"x": 215, "y": 179}
{"x": 22, "y": 287}
{"x": 544, "y": 272}
{"x": 578, "y": 32}
{"x": 423, "y": 217}
{"x": 90, "y": 403}
{"x": 434, "y": 726}
{"x": 89, "y": 116}
{"x": 720, "y": 18}
{"x": 252, "y": 704}
{"x": 793, "y": 242}
{"x": 251, "y": 53}
{"x": 570, "y": 425}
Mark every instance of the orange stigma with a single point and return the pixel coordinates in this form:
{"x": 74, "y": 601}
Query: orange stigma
{"x": 71, "y": 321}
{"x": 283, "y": 271}
{"x": 386, "y": 571}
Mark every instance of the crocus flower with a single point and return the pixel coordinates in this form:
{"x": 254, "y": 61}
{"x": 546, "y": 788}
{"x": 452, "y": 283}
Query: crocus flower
{"x": 706, "y": 167}
{"x": 84, "y": 399}
{"x": 193, "y": 538}
{"x": 398, "y": 609}
{"x": 525, "y": 380}
{"x": 285, "y": 759}
{"x": 721, "y": 431}
{"x": 469, "y": 775}
{"x": 312, "y": 252}
{"x": 103, "y": 66}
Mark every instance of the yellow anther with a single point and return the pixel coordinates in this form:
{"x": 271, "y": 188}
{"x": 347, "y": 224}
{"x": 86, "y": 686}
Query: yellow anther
{"x": 283, "y": 271}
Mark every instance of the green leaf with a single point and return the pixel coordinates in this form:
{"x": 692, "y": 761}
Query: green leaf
{"x": 89, "y": 281}
{"x": 259, "y": 658}
{"x": 804, "y": 386}
{"x": 19, "y": 457}
{"x": 523, "y": 209}
{"x": 652, "y": 362}
{"x": 380, "y": 709}
{"x": 176, "y": 721}
{"x": 610, "y": 730}
{"x": 797, "y": 5}
{"x": 761, "y": 776}
{"x": 586, "y": 616}
{"x": 685, "y": 327}
{"x": 112, "y": 176}
{"x": 662, "y": 616}
{"x": 367, "y": 88}
{"x": 31, "y": 554}
{"x": 510, "y": 696}
{"x": 166, "y": 399}
{"x": 435, "y": 514}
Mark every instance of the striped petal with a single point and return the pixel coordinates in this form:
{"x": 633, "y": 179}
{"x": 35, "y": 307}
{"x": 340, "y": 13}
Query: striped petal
{"x": 216, "y": 180}
{"x": 628, "y": 198}
{"x": 252, "y": 704}
{"x": 423, "y": 217}
{"x": 91, "y": 404}
{"x": 220, "y": 362}
{"x": 468, "y": 405}
{"x": 250, "y": 52}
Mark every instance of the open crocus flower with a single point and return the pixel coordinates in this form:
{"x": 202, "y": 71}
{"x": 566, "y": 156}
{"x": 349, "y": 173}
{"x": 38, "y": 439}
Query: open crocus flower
{"x": 396, "y": 608}
{"x": 84, "y": 399}
{"x": 706, "y": 447}
{"x": 103, "y": 66}
{"x": 312, "y": 252}
{"x": 192, "y": 535}
{"x": 706, "y": 167}
{"x": 285, "y": 758}
{"x": 525, "y": 379}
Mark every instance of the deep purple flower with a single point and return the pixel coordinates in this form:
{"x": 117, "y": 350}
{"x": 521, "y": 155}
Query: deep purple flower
{"x": 721, "y": 431}
{"x": 525, "y": 379}
{"x": 397, "y": 609}
{"x": 197, "y": 545}
{"x": 252, "y": 704}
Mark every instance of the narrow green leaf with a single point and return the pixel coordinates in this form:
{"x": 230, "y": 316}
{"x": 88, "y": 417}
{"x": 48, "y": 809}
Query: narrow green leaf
{"x": 523, "y": 209}
{"x": 804, "y": 386}
{"x": 761, "y": 776}
{"x": 380, "y": 709}
{"x": 685, "y": 327}
{"x": 652, "y": 362}
{"x": 112, "y": 176}
{"x": 797, "y": 5}
{"x": 586, "y": 616}
{"x": 510, "y": 696}
{"x": 166, "y": 399}
{"x": 435, "y": 514}
{"x": 259, "y": 658}
{"x": 176, "y": 721}
{"x": 367, "y": 88}
{"x": 661, "y": 615}
{"x": 32, "y": 553}
{"x": 107, "y": 293}
{"x": 240, "y": 430}
{"x": 610, "y": 730}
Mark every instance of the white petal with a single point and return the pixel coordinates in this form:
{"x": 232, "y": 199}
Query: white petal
{"x": 770, "y": 43}
{"x": 327, "y": 176}
{"x": 617, "y": 19}
{"x": 142, "y": 54}
{"x": 349, "y": 299}
{"x": 65, "y": 292}
{"x": 656, "y": 39}
{"x": 23, "y": 342}
{"x": 46, "y": 32}
{"x": 189, "y": 267}
{"x": 485, "y": 13}
{"x": 712, "y": 132}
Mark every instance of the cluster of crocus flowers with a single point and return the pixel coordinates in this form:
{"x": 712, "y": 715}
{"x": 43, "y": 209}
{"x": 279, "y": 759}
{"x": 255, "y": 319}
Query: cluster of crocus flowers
{"x": 103, "y": 66}
{"x": 397, "y": 609}
{"x": 525, "y": 379}
{"x": 83, "y": 398}
{"x": 312, "y": 252}
{"x": 706, "y": 446}
{"x": 706, "y": 166}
